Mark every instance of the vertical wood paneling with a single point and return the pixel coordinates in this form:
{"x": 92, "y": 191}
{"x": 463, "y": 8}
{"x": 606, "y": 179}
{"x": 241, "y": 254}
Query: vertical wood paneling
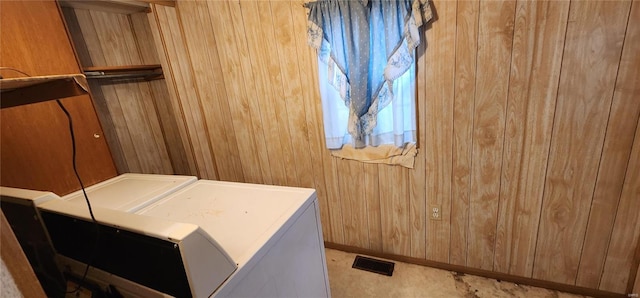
{"x": 234, "y": 58}
{"x": 171, "y": 132}
{"x": 393, "y": 185}
{"x": 464, "y": 95}
{"x": 310, "y": 93}
{"x": 210, "y": 87}
{"x": 179, "y": 68}
{"x": 417, "y": 208}
{"x": 258, "y": 26}
{"x": 418, "y": 216}
{"x": 626, "y": 230}
{"x": 353, "y": 203}
{"x": 128, "y": 109}
{"x": 143, "y": 38}
{"x": 513, "y": 106}
{"x": 533, "y": 84}
{"x": 161, "y": 158}
{"x": 624, "y": 246}
{"x": 275, "y": 84}
{"x": 128, "y": 160}
{"x": 157, "y": 102}
{"x": 126, "y": 106}
{"x": 417, "y": 186}
{"x": 372, "y": 196}
{"x": 292, "y": 95}
{"x": 401, "y": 205}
{"x": 590, "y": 63}
{"x": 495, "y": 34}
{"x": 331, "y": 177}
{"x": 388, "y": 227}
{"x": 141, "y": 41}
{"x": 439, "y": 125}
{"x": 418, "y": 176}
{"x": 170, "y": 108}
{"x": 620, "y": 134}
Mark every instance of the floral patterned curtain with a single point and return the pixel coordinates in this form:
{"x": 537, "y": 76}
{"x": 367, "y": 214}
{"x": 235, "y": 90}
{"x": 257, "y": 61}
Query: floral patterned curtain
{"x": 366, "y": 45}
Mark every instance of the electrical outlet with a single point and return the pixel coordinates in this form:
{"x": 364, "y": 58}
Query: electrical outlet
{"x": 435, "y": 212}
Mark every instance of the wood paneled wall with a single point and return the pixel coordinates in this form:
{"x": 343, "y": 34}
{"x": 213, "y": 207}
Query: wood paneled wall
{"x": 144, "y": 131}
{"x": 528, "y": 125}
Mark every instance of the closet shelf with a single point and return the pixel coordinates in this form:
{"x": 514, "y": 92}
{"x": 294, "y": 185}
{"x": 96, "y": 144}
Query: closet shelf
{"x": 27, "y": 90}
{"x": 126, "y": 72}
{"x": 116, "y": 6}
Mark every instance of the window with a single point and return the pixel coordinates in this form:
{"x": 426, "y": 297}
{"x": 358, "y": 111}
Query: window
{"x": 366, "y": 65}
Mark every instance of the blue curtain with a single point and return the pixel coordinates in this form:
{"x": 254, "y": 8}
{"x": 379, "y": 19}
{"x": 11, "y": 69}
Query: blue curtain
{"x": 363, "y": 48}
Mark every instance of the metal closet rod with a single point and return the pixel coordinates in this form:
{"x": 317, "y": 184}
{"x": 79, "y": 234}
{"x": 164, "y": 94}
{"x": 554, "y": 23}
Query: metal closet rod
{"x": 147, "y": 72}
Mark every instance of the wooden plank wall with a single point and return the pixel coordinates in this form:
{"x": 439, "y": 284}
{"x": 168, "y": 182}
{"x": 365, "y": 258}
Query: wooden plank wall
{"x": 145, "y": 133}
{"x": 528, "y": 117}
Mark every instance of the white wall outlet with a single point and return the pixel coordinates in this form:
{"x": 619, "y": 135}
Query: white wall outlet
{"x": 435, "y": 211}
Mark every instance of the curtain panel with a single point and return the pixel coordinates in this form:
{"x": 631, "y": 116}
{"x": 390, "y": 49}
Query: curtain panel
{"x": 366, "y": 64}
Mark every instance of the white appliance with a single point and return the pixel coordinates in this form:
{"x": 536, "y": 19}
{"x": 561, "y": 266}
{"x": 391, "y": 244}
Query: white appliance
{"x": 129, "y": 251}
{"x": 130, "y": 192}
{"x": 142, "y": 255}
{"x": 206, "y": 238}
{"x": 273, "y": 234}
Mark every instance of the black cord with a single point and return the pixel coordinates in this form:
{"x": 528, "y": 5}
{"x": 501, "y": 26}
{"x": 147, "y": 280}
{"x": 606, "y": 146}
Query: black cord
{"x": 75, "y": 168}
{"x": 86, "y": 198}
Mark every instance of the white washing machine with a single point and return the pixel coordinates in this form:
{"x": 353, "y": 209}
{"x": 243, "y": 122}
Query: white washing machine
{"x": 208, "y": 238}
{"x": 272, "y": 233}
{"x": 140, "y": 256}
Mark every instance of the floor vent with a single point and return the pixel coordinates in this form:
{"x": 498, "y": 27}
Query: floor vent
{"x": 373, "y": 265}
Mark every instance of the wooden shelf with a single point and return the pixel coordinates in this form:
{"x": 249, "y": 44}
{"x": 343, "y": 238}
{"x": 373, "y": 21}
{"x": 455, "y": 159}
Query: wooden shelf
{"x": 126, "y": 72}
{"x": 21, "y": 91}
{"x": 116, "y": 6}
{"x": 113, "y": 6}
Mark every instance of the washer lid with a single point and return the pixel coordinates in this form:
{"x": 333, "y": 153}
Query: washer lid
{"x": 241, "y": 217}
{"x": 130, "y": 192}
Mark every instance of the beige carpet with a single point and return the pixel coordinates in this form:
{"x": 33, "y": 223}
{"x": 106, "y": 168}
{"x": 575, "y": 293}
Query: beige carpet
{"x": 410, "y": 280}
